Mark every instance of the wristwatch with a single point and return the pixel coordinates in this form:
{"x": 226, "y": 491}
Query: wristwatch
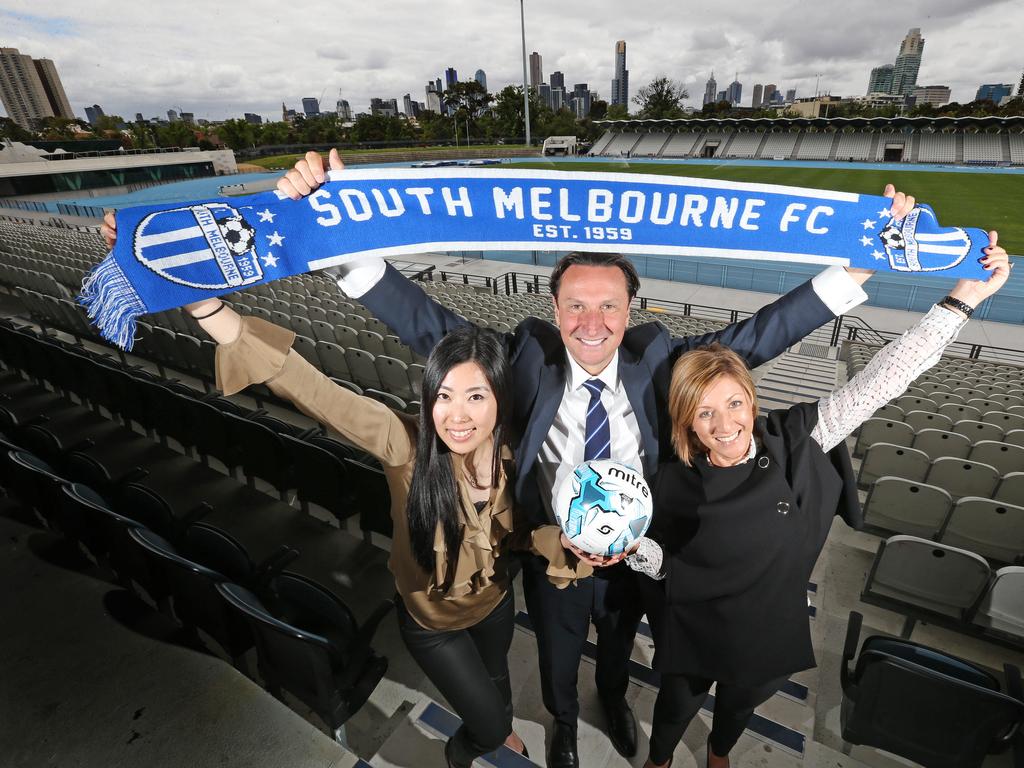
{"x": 949, "y": 301}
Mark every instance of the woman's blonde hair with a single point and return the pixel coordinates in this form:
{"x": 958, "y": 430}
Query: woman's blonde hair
{"x": 692, "y": 375}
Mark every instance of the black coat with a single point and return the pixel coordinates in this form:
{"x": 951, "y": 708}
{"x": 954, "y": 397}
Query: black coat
{"x": 733, "y": 605}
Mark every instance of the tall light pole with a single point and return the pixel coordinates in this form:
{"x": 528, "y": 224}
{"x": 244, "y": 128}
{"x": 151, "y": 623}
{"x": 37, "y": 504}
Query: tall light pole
{"x": 526, "y": 88}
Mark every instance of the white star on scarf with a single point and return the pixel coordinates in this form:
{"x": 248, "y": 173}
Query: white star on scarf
{"x": 878, "y": 254}
{"x": 266, "y": 215}
{"x": 884, "y": 213}
{"x": 868, "y": 223}
{"x": 866, "y": 240}
{"x": 270, "y": 260}
{"x": 275, "y": 239}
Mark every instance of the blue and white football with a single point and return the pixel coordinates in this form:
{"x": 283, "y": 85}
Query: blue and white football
{"x": 603, "y": 506}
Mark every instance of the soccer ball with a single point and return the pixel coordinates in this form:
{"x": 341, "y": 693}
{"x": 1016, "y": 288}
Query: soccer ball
{"x": 603, "y": 506}
{"x": 237, "y": 233}
{"x": 892, "y": 237}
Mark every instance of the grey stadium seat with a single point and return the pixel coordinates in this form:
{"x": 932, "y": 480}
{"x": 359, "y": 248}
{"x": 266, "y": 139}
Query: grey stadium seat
{"x": 993, "y": 529}
{"x": 927, "y": 420}
{"x": 361, "y": 364}
{"x": 923, "y": 574}
{"x": 1011, "y": 489}
{"x": 371, "y": 342}
{"x": 978, "y": 430}
{"x": 962, "y": 477}
{"x": 884, "y": 459}
{"x": 1005, "y": 421}
{"x": 323, "y": 331}
{"x": 903, "y": 506}
{"x": 958, "y": 411}
{"x": 1014, "y": 437}
{"x": 883, "y": 431}
{"x": 915, "y": 403}
{"x": 394, "y": 376}
{"x": 307, "y": 348}
{"x": 938, "y": 443}
{"x": 1002, "y": 609}
{"x": 332, "y": 358}
{"x": 889, "y": 411}
{"x": 1004, "y": 457}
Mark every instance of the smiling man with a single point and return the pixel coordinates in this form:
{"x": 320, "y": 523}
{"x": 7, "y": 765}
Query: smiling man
{"x": 592, "y": 387}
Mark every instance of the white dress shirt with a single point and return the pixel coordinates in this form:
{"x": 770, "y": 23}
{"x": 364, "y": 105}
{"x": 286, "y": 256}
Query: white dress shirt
{"x": 562, "y": 449}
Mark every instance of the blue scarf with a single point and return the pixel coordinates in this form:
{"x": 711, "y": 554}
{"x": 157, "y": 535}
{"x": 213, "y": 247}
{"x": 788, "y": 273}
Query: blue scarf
{"x": 168, "y": 256}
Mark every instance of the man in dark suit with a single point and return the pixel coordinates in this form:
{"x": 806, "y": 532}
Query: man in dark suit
{"x": 590, "y": 362}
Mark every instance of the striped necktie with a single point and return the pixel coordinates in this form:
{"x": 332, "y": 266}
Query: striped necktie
{"x": 598, "y": 436}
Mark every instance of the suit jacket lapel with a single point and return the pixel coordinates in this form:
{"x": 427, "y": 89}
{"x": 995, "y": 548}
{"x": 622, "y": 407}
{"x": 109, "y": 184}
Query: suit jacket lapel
{"x": 636, "y": 379}
{"x": 550, "y": 389}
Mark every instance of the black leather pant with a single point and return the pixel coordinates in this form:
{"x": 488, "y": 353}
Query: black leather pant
{"x": 470, "y": 669}
{"x": 680, "y": 698}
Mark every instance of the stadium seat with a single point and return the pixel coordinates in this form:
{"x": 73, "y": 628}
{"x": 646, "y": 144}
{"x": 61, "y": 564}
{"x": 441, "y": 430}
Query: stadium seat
{"x": 361, "y": 365}
{"x": 903, "y": 506}
{"x": 37, "y": 485}
{"x": 924, "y": 705}
{"x": 394, "y": 377}
{"x": 306, "y": 347}
{"x": 978, "y": 430}
{"x": 937, "y": 443}
{"x": 889, "y": 411}
{"x": 371, "y": 342}
{"x": 321, "y": 478}
{"x": 1005, "y": 421}
{"x": 993, "y": 529}
{"x": 312, "y": 647}
{"x": 919, "y": 420}
{"x": 1014, "y": 437}
{"x": 882, "y": 431}
{"x": 915, "y": 403}
{"x": 886, "y": 459}
{"x": 924, "y": 575}
{"x": 323, "y": 331}
{"x": 332, "y": 360}
{"x": 193, "y": 591}
{"x": 958, "y": 411}
{"x": 1011, "y": 489}
{"x": 963, "y": 478}
{"x": 1004, "y": 457}
{"x": 1002, "y": 609}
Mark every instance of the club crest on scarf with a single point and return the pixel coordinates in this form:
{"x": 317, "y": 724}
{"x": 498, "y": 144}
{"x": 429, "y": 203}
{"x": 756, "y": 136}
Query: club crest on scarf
{"x": 209, "y": 246}
{"x": 910, "y": 250}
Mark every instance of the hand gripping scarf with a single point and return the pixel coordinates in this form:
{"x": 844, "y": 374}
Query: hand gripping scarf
{"x": 168, "y": 256}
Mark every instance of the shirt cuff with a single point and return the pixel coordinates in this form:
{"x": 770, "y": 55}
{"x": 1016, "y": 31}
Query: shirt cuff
{"x": 358, "y": 277}
{"x": 838, "y": 290}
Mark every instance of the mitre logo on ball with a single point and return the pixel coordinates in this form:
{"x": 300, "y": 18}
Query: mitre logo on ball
{"x": 911, "y": 250}
{"x": 209, "y": 246}
{"x": 603, "y": 506}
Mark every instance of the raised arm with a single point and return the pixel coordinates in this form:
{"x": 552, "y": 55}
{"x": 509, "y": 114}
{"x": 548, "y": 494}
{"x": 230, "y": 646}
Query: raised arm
{"x": 890, "y": 371}
{"x": 784, "y": 322}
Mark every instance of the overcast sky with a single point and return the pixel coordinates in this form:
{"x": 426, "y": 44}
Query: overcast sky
{"x": 219, "y": 60}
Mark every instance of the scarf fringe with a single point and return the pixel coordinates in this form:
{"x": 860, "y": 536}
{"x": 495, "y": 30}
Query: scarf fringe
{"x": 112, "y": 303}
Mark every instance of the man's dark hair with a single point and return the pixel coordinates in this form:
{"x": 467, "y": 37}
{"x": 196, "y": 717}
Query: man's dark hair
{"x": 596, "y": 260}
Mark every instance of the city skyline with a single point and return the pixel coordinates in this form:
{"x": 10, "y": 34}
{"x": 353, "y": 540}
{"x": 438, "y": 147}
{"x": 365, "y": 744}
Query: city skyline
{"x": 203, "y": 75}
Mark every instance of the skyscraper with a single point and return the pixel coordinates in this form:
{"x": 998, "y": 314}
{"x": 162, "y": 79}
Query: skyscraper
{"x": 881, "y": 79}
{"x": 536, "y": 70}
{"x": 310, "y": 106}
{"x": 620, "y": 83}
{"x": 342, "y": 108}
{"x": 93, "y": 113}
{"x": 581, "y": 100}
{"x": 31, "y": 89}
{"x": 481, "y": 77}
{"x": 791, "y": 95}
{"x": 433, "y": 100}
{"x": 710, "y": 89}
{"x": 755, "y": 100}
{"x": 557, "y": 80}
{"x": 172, "y": 116}
{"x": 994, "y": 92}
{"x": 734, "y": 92}
{"x": 904, "y": 76}
{"x": 936, "y": 95}
{"x": 768, "y": 94}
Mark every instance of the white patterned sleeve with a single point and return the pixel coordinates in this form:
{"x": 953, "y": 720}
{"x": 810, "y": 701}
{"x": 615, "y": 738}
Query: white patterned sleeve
{"x": 649, "y": 559}
{"x": 886, "y": 375}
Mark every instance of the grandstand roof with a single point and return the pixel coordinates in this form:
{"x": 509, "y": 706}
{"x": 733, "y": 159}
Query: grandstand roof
{"x": 1010, "y": 122}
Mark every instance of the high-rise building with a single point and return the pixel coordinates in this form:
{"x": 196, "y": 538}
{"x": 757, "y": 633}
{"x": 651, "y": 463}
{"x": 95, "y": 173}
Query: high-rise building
{"x": 710, "y": 89}
{"x": 582, "y": 98}
{"x": 172, "y": 116}
{"x": 881, "y": 79}
{"x": 138, "y": 117}
{"x": 557, "y": 80}
{"x": 30, "y": 89}
{"x": 310, "y": 106}
{"x": 558, "y": 100}
{"x": 908, "y": 62}
{"x": 755, "y": 100}
{"x": 188, "y": 118}
{"x": 410, "y": 107}
{"x": 720, "y": 96}
{"x": 451, "y": 77}
{"x": 433, "y": 100}
{"x": 994, "y": 92}
{"x": 544, "y": 94}
{"x": 620, "y": 83}
{"x": 481, "y": 77}
{"x": 385, "y": 107}
{"x": 768, "y": 94}
{"x": 253, "y": 119}
{"x": 536, "y": 70}
{"x": 342, "y": 109}
{"x": 734, "y": 93}
{"x": 93, "y": 113}
{"x": 936, "y": 95}
{"x": 791, "y": 95}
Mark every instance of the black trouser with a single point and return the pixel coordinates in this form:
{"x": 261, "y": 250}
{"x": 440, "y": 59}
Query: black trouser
{"x": 561, "y": 620}
{"x": 680, "y": 698}
{"x": 470, "y": 669}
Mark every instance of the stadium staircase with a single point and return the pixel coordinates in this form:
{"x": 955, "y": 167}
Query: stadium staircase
{"x": 796, "y": 146}
{"x": 959, "y": 137}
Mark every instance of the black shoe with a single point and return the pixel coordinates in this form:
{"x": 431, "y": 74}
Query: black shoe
{"x": 621, "y": 727}
{"x": 563, "y": 752}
